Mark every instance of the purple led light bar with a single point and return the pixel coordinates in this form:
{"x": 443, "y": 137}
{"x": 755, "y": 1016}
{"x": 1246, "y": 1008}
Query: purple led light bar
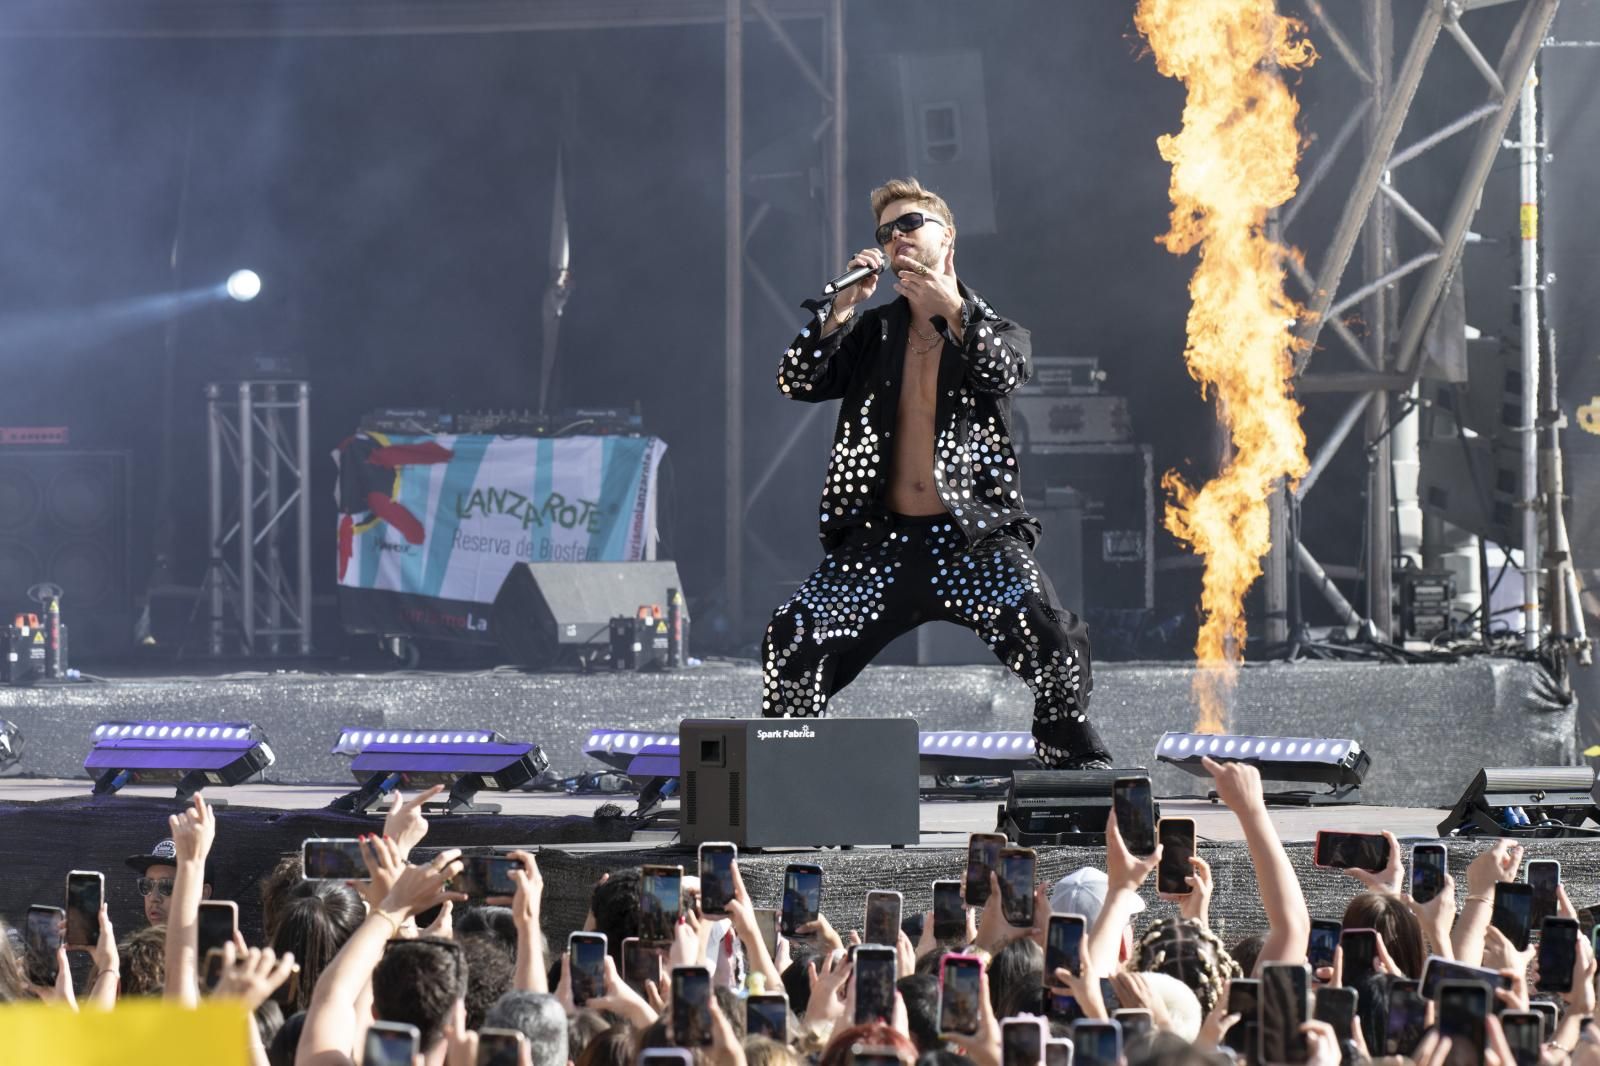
{"x": 189, "y": 754}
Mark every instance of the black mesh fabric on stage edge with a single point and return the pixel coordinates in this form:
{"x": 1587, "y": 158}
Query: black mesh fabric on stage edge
{"x": 45, "y": 840}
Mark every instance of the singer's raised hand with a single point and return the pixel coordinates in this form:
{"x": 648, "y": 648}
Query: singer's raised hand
{"x": 847, "y": 298}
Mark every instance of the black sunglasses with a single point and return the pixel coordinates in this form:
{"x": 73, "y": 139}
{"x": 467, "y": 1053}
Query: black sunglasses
{"x": 911, "y": 220}
{"x": 148, "y": 885}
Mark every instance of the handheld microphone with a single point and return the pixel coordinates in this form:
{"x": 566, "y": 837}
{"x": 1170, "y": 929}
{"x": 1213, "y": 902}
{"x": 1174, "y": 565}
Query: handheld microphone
{"x": 849, "y": 278}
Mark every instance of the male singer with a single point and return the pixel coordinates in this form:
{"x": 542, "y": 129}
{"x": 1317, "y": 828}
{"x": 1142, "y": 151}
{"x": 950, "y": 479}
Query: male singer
{"x": 922, "y": 513}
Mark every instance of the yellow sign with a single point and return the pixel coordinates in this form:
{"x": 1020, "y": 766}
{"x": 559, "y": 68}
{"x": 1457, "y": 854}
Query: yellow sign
{"x": 1589, "y": 416}
{"x": 1530, "y": 221}
{"x": 138, "y": 1032}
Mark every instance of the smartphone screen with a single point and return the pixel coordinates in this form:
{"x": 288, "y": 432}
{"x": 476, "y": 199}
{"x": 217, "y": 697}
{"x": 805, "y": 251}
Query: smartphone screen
{"x": 1428, "y": 865}
{"x": 660, "y": 903}
{"x": 1022, "y": 1042}
{"x": 1524, "y": 1035}
{"x": 1285, "y": 1008}
{"x": 1017, "y": 873}
{"x": 390, "y": 1044}
{"x": 1462, "y": 1008}
{"x": 1096, "y": 1043}
{"x": 331, "y": 859}
{"x": 1063, "y": 945}
{"x": 767, "y": 922}
{"x": 1406, "y": 1019}
{"x": 1324, "y": 939}
{"x": 881, "y": 922}
{"x": 1558, "y": 954}
{"x": 219, "y": 920}
{"x": 1360, "y": 948}
{"x": 767, "y": 1014}
{"x": 42, "y": 939}
{"x": 874, "y": 983}
{"x": 983, "y": 857}
{"x": 1351, "y": 851}
{"x": 1244, "y": 999}
{"x": 1058, "y": 1053}
{"x": 1544, "y": 876}
{"x": 1177, "y": 848}
{"x": 485, "y": 876}
{"x": 1550, "y": 1013}
{"x": 211, "y": 971}
{"x": 500, "y": 1047}
{"x": 1136, "y": 1022}
{"x": 691, "y": 1006}
{"x": 1136, "y": 814}
{"x": 586, "y": 966}
{"x": 1337, "y": 1007}
{"x": 949, "y": 911}
{"x": 1436, "y": 971}
{"x": 958, "y": 994}
{"x": 716, "y": 877}
{"x": 802, "y": 897}
{"x": 641, "y": 963}
{"x": 1513, "y": 912}
{"x": 85, "y": 892}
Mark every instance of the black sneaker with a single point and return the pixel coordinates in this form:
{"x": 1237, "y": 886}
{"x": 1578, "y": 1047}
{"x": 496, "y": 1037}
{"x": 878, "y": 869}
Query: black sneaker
{"x": 1090, "y": 760}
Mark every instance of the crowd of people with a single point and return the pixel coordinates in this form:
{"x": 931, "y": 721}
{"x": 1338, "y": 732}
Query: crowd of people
{"x": 347, "y": 967}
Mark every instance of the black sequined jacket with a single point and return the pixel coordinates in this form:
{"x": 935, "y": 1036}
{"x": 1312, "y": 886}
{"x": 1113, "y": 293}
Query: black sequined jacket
{"x": 975, "y": 462}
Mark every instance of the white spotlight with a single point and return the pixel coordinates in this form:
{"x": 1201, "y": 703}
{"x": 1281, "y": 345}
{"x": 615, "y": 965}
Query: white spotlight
{"x": 244, "y": 285}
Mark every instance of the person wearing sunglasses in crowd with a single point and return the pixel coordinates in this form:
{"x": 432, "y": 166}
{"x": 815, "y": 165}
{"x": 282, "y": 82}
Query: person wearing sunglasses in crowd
{"x": 922, "y": 515}
{"x": 157, "y": 871}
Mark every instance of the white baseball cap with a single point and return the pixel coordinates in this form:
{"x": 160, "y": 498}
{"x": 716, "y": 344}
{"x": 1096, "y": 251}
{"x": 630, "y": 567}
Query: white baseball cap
{"x": 1083, "y": 891}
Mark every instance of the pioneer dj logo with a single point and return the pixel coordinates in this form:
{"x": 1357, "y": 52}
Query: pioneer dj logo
{"x": 803, "y": 733}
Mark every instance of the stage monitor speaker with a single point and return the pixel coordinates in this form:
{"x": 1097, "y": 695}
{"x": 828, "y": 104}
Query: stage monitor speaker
{"x": 546, "y": 614}
{"x": 799, "y": 782}
{"x": 1533, "y": 801}
{"x": 64, "y": 521}
{"x": 946, "y": 117}
{"x": 1116, "y": 485}
{"x": 1061, "y": 806}
{"x": 1472, "y": 484}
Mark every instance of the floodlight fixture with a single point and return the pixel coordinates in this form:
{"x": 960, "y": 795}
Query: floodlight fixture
{"x": 1526, "y": 801}
{"x": 466, "y": 760}
{"x": 618, "y": 748}
{"x": 190, "y": 755}
{"x": 10, "y": 744}
{"x": 243, "y": 285}
{"x": 1338, "y": 762}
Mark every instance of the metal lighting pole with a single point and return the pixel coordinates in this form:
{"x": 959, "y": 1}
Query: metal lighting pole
{"x": 1528, "y": 152}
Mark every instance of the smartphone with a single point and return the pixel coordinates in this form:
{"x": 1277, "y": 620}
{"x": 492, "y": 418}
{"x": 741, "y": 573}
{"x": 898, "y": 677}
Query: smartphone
{"x": 660, "y": 903}
{"x": 1177, "y": 848}
{"x": 86, "y": 891}
{"x": 716, "y": 876}
{"x": 1429, "y": 863}
{"x": 332, "y": 859}
{"x": 1436, "y": 971}
{"x": 802, "y": 897}
{"x": 1096, "y": 1043}
{"x": 983, "y": 858}
{"x": 1513, "y": 912}
{"x": 1244, "y": 999}
{"x": 1325, "y": 934}
{"x": 874, "y": 977}
{"x": 881, "y": 922}
{"x": 1463, "y": 1005}
{"x": 1136, "y": 1022}
{"x": 767, "y": 922}
{"x": 949, "y": 912}
{"x": 485, "y": 876}
{"x": 767, "y": 1014}
{"x": 1018, "y": 867}
{"x": 1524, "y": 1032}
{"x": 642, "y": 962}
{"x": 1544, "y": 876}
{"x": 1063, "y": 944}
{"x": 1405, "y": 1019}
{"x": 1285, "y": 1008}
{"x": 1551, "y": 1015}
{"x": 42, "y": 939}
{"x": 211, "y": 971}
{"x": 1022, "y": 1042}
{"x": 500, "y": 1047}
{"x": 875, "y": 1055}
{"x": 586, "y": 966}
{"x": 1558, "y": 954}
{"x": 691, "y": 1006}
{"x": 665, "y": 1056}
{"x": 390, "y": 1044}
{"x": 1135, "y": 809}
{"x": 219, "y": 923}
{"x": 960, "y": 978}
{"x": 1360, "y": 947}
{"x": 1337, "y": 1007}
{"x": 1058, "y": 1053}
{"x": 1351, "y": 851}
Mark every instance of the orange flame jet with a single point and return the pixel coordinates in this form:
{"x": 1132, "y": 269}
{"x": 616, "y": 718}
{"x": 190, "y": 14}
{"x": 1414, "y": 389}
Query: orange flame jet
{"x": 1232, "y": 163}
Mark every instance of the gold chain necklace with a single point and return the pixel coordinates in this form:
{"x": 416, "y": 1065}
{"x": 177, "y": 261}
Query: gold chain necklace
{"x": 927, "y": 346}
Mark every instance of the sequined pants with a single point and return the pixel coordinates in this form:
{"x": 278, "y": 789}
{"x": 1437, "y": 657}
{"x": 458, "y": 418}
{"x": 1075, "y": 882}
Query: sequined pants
{"x": 923, "y": 570}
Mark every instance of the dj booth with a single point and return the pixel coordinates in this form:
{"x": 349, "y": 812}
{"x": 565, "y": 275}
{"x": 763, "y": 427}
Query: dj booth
{"x": 431, "y": 525}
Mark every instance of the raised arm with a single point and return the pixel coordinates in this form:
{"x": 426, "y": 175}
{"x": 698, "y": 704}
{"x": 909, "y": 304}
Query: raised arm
{"x": 532, "y": 973}
{"x": 1288, "y": 920}
{"x": 193, "y": 832}
{"x": 1499, "y": 863}
{"x": 1125, "y": 872}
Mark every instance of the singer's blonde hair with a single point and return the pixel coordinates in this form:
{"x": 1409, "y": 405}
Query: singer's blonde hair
{"x": 911, "y": 189}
